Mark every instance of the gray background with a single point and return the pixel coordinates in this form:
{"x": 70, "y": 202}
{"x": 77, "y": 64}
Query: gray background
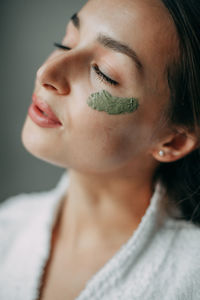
{"x": 27, "y": 29}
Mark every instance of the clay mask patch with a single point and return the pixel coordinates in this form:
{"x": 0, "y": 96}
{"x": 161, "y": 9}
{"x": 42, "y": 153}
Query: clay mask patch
{"x": 104, "y": 101}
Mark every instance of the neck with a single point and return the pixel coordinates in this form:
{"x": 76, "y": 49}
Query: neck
{"x": 103, "y": 209}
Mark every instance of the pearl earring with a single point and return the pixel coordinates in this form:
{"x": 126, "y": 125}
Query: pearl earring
{"x": 161, "y": 153}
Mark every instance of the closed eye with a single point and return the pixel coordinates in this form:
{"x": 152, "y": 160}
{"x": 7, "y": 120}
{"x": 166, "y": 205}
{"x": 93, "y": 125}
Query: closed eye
{"x": 103, "y": 76}
{"x": 100, "y": 74}
{"x": 61, "y": 46}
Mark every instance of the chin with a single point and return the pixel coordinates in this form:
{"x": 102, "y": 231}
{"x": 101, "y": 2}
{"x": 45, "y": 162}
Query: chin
{"x": 39, "y": 143}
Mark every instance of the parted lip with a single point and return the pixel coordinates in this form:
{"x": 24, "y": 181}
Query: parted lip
{"x": 44, "y": 107}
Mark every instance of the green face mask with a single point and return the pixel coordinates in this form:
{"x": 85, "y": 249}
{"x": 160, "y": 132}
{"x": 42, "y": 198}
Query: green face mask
{"x": 104, "y": 101}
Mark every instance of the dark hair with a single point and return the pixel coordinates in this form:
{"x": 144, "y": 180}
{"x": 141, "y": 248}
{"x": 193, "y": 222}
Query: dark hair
{"x": 182, "y": 178}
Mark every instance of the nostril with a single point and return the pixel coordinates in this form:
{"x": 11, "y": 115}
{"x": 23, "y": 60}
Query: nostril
{"x": 49, "y": 86}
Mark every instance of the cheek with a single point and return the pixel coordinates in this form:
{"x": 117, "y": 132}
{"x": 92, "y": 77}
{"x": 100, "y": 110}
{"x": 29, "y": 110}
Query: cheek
{"x": 102, "y": 141}
{"x": 97, "y": 133}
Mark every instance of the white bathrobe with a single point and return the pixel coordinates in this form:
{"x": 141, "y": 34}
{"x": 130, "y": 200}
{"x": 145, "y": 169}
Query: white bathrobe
{"x": 160, "y": 261}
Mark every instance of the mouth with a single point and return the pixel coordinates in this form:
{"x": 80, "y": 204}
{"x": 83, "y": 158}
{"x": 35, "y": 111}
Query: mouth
{"x": 41, "y": 113}
{"x": 44, "y": 114}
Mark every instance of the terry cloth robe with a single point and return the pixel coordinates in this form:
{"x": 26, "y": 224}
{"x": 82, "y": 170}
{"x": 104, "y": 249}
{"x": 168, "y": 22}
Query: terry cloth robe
{"x": 160, "y": 260}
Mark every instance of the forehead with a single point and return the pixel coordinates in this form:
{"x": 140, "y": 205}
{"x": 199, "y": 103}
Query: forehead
{"x": 145, "y": 25}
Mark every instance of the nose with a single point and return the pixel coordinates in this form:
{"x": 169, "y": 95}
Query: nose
{"x": 52, "y": 76}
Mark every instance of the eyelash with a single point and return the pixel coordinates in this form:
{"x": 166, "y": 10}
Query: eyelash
{"x": 100, "y": 74}
{"x": 103, "y": 77}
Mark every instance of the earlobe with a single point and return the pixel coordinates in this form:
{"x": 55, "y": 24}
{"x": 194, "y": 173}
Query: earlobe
{"x": 161, "y": 153}
{"x": 175, "y": 147}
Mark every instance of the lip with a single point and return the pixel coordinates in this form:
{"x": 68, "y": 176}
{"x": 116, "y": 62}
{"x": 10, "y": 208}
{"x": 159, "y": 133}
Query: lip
{"x": 35, "y": 111}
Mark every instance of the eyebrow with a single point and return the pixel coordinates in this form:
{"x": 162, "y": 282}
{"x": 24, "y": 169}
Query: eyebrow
{"x": 112, "y": 44}
{"x": 117, "y": 46}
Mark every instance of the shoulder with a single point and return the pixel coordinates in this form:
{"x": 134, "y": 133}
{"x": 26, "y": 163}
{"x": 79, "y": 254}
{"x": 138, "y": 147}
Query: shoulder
{"x": 16, "y": 214}
{"x": 25, "y": 225}
{"x": 27, "y": 210}
{"x": 187, "y": 235}
{"x": 20, "y": 208}
{"x": 17, "y": 206}
{"x": 183, "y": 263}
{"x": 187, "y": 247}
{"x": 179, "y": 240}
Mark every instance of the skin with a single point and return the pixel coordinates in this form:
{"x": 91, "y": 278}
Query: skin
{"x": 104, "y": 101}
{"x": 111, "y": 158}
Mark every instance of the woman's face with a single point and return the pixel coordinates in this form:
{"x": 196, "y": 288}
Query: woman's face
{"x": 91, "y": 140}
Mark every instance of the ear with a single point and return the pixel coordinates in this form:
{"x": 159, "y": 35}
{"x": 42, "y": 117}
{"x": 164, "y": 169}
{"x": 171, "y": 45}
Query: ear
{"x": 175, "y": 146}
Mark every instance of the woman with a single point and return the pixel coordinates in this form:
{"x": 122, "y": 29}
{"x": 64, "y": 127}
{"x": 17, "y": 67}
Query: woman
{"x": 117, "y": 104}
